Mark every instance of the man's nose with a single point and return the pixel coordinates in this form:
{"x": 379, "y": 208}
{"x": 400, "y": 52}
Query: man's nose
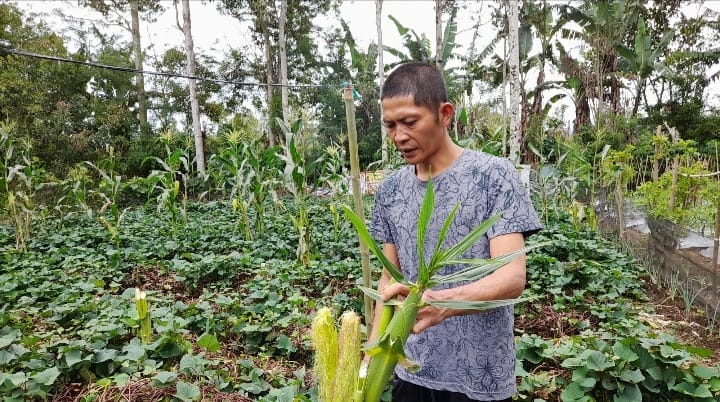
{"x": 401, "y": 133}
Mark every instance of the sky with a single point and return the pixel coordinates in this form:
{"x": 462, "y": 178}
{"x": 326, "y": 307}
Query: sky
{"x": 212, "y": 30}
{"x": 360, "y": 15}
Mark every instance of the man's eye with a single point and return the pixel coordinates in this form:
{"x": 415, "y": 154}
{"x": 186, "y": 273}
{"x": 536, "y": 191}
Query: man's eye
{"x": 410, "y": 123}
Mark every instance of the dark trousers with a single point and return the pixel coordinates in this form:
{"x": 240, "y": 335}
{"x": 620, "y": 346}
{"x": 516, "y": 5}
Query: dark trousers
{"x": 404, "y": 391}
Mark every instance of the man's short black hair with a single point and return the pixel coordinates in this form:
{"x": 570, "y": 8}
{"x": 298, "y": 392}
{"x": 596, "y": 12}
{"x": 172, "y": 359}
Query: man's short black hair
{"x": 423, "y": 81}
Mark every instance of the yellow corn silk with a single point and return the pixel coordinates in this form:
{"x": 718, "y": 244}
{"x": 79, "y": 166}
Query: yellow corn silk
{"x": 337, "y": 356}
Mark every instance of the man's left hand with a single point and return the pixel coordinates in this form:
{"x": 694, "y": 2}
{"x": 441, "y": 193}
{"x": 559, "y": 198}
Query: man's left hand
{"x": 430, "y": 315}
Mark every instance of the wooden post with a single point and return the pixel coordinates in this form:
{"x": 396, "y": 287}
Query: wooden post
{"x": 716, "y": 251}
{"x": 656, "y": 159}
{"x": 357, "y": 197}
{"x": 675, "y": 136}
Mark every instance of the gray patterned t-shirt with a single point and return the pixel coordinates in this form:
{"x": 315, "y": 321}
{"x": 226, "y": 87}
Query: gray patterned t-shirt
{"x": 471, "y": 354}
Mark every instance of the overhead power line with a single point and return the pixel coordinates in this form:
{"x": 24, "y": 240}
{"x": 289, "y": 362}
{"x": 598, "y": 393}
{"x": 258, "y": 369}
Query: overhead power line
{"x": 5, "y": 51}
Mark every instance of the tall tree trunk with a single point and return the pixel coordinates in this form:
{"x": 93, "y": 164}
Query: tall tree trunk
{"x": 137, "y": 52}
{"x": 638, "y": 96}
{"x": 381, "y": 75}
{"x": 582, "y": 113}
{"x": 191, "y": 71}
{"x": 283, "y": 61}
{"x": 514, "y": 69}
{"x": 269, "y": 79}
{"x": 537, "y": 97}
{"x": 439, "y": 62}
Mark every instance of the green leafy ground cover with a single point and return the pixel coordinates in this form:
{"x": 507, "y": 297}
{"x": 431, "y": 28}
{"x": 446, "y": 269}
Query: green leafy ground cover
{"x": 230, "y": 315}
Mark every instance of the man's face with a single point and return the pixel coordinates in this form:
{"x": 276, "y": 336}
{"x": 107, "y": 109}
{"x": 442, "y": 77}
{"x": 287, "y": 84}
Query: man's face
{"x": 416, "y": 131}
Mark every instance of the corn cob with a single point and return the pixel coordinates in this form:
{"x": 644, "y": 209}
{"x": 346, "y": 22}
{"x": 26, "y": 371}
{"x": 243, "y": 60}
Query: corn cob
{"x": 389, "y": 349}
{"x": 346, "y": 374}
{"x": 324, "y": 338}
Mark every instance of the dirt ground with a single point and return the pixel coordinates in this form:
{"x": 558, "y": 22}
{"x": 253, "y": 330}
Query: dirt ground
{"x": 691, "y": 329}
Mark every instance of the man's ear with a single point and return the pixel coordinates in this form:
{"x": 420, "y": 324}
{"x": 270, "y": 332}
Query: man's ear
{"x": 446, "y": 113}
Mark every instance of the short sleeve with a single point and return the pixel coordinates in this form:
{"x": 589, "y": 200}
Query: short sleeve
{"x": 510, "y": 197}
{"x": 379, "y": 223}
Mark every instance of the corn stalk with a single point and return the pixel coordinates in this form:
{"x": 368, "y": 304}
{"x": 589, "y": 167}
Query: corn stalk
{"x": 141, "y": 305}
{"x": 165, "y": 182}
{"x": 388, "y": 350}
{"x": 298, "y": 169}
{"x": 109, "y": 191}
{"x": 16, "y": 185}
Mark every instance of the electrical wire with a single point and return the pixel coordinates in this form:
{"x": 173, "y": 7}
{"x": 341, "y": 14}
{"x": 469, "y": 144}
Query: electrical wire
{"x": 6, "y": 51}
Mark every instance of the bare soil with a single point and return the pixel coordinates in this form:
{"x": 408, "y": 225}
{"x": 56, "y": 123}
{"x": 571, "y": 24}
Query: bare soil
{"x": 691, "y": 328}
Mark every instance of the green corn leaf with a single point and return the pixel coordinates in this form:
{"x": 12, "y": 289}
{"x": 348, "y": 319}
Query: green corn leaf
{"x": 473, "y": 305}
{"x": 441, "y": 237}
{"x": 477, "y": 268}
{"x": 469, "y": 240}
{"x": 377, "y": 296}
{"x": 426, "y": 210}
{"x": 376, "y": 250}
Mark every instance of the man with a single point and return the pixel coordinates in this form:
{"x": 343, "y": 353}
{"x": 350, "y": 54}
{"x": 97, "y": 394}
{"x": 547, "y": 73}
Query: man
{"x": 463, "y": 355}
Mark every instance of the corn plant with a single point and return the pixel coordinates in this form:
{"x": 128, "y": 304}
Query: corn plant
{"x": 334, "y": 176}
{"x": 242, "y": 207}
{"x": 336, "y": 218}
{"x": 238, "y": 176}
{"x": 109, "y": 191}
{"x": 167, "y": 182}
{"x": 395, "y": 324}
{"x": 250, "y": 169}
{"x": 298, "y": 169}
{"x": 264, "y": 163}
{"x": 75, "y": 190}
{"x": 334, "y": 172}
{"x": 141, "y": 305}
{"x": 16, "y": 185}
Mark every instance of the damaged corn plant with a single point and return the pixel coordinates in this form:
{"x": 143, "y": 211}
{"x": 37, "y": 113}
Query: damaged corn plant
{"x": 398, "y": 317}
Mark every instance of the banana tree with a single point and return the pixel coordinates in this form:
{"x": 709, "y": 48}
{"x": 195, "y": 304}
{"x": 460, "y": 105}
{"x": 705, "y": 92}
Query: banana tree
{"x": 419, "y": 47}
{"x": 396, "y": 323}
{"x": 603, "y": 26}
{"x": 642, "y": 61}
